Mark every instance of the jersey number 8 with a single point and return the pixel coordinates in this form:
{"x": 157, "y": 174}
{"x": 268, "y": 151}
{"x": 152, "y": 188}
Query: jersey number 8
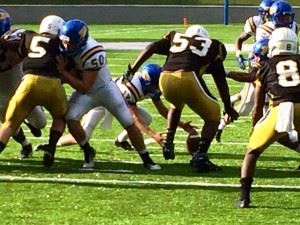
{"x": 288, "y": 73}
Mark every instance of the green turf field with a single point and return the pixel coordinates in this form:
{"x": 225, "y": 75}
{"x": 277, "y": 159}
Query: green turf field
{"x": 120, "y": 191}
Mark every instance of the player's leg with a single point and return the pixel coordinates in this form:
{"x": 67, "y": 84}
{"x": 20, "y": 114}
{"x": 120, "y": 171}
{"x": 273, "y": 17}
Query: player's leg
{"x": 79, "y": 104}
{"x": 208, "y": 109}
{"x": 36, "y": 121}
{"x": 54, "y": 99}
{"x": 89, "y": 123}
{"x": 122, "y": 138}
{"x": 262, "y": 136}
{"x": 116, "y": 104}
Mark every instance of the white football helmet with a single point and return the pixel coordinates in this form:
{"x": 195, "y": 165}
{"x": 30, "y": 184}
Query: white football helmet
{"x": 51, "y": 24}
{"x": 196, "y": 30}
{"x": 283, "y": 41}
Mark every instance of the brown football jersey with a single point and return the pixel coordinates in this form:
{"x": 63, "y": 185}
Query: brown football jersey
{"x": 39, "y": 52}
{"x": 281, "y": 79}
{"x": 189, "y": 53}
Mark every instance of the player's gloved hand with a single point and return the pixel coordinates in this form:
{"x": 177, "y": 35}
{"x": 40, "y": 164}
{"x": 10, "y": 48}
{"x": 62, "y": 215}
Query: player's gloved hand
{"x": 128, "y": 74}
{"x": 231, "y": 113}
{"x": 241, "y": 62}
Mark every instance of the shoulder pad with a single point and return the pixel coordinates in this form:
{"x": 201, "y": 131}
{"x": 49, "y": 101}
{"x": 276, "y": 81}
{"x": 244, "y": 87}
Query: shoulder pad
{"x": 93, "y": 57}
{"x": 13, "y": 35}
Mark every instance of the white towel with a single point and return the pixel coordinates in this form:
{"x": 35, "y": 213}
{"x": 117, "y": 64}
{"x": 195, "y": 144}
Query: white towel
{"x": 285, "y": 118}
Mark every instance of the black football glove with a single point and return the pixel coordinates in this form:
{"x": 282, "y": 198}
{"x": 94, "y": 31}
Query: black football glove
{"x": 127, "y": 75}
{"x": 241, "y": 62}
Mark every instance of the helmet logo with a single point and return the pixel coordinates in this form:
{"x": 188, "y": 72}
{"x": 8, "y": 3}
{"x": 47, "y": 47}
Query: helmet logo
{"x": 3, "y": 15}
{"x": 272, "y": 10}
{"x": 145, "y": 75}
{"x": 82, "y": 32}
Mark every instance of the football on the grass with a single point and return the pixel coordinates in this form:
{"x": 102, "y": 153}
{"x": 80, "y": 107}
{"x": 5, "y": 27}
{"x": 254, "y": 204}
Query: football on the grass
{"x": 192, "y": 142}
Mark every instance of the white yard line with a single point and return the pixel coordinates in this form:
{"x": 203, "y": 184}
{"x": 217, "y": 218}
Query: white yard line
{"x": 136, "y": 182}
{"x": 142, "y": 45}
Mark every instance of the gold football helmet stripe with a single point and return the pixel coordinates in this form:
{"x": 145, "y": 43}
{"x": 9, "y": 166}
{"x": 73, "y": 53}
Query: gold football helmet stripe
{"x": 252, "y": 24}
{"x": 266, "y": 28}
{"x": 133, "y": 90}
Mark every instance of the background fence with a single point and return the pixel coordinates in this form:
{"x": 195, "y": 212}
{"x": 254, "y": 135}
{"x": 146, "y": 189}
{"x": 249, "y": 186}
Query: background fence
{"x": 133, "y": 14}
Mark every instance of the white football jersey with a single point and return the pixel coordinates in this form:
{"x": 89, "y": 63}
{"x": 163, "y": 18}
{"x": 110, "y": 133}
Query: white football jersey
{"x": 251, "y": 25}
{"x": 133, "y": 90}
{"x": 93, "y": 57}
{"x": 265, "y": 30}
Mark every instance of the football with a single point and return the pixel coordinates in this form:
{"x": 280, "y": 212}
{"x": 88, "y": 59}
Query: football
{"x": 192, "y": 142}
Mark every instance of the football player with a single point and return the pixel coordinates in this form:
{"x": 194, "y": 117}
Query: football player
{"x": 259, "y": 53}
{"x": 189, "y": 56}
{"x": 143, "y": 85}
{"x": 91, "y": 79}
{"x": 41, "y": 84}
{"x": 282, "y": 15}
{"x": 279, "y": 78}
{"x": 10, "y": 76}
{"x": 250, "y": 29}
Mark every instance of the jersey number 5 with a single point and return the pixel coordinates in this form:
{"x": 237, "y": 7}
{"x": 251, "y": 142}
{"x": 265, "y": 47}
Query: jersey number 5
{"x": 36, "y": 50}
{"x": 181, "y": 43}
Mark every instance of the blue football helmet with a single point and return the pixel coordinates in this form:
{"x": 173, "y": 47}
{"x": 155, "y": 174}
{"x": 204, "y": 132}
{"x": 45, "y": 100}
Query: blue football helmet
{"x": 151, "y": 73}
{"x": 260, "y": 49}
{"x": 150, "y": 77}
{"x": 263, "y": 9}
{"x": 5, "y": 21}
{"x": 74, "y": 36}
{"x": 282, "y": 14}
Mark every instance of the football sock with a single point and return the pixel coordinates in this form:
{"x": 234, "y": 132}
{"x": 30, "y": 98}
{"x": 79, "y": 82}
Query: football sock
{"x": 54, "y": 137}
{"x": 2, "y": 146}
{"x": 20, "y": 137}
{"x": 203, "y": 145}
{"x": 146, "y": 158}
{"x": 246, "y": 183}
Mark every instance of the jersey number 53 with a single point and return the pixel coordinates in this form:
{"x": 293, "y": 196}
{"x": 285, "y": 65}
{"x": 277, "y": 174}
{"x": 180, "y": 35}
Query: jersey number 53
{"x": 181, "y": 43}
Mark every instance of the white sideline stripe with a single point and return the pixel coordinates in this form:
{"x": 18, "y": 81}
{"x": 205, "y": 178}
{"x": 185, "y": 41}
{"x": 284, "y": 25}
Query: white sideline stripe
{"x": 136, "y": 182}
{"x": 142, "y": 45}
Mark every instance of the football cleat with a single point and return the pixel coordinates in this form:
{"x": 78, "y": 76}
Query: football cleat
{"x": 168, "y": 150}
{"x": 89, "y": 156}
{"x": 26, "y": 152}
{"x": 48, "y": 159}
{"x": 124, "y": 144}
{"x": 245, "y": 203}
{"x": 41, "y": 147}
{"x": 201, "y": 162}
{"x": 35, "y": 132}
{"x": 219, "y": 135}
{"x": 152, "y": 166}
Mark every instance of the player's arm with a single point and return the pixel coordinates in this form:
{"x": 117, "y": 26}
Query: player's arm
{"x": 79, "y": 80}
{"x": 158, "y": 47}
{"x": 259, "y": 101}
{"x": 163, "y": 110}
{"x": 239, "y": 42}
{"x": 143, "y": 127}
{"x": 241, "y": 76}
{"x": 218, "y": 72}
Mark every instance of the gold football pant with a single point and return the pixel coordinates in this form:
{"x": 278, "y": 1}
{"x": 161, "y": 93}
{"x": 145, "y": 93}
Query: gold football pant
{"x": 184, "y": 88}
{"x": 36, "y": 90}
{"x": 264, "y": 133}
